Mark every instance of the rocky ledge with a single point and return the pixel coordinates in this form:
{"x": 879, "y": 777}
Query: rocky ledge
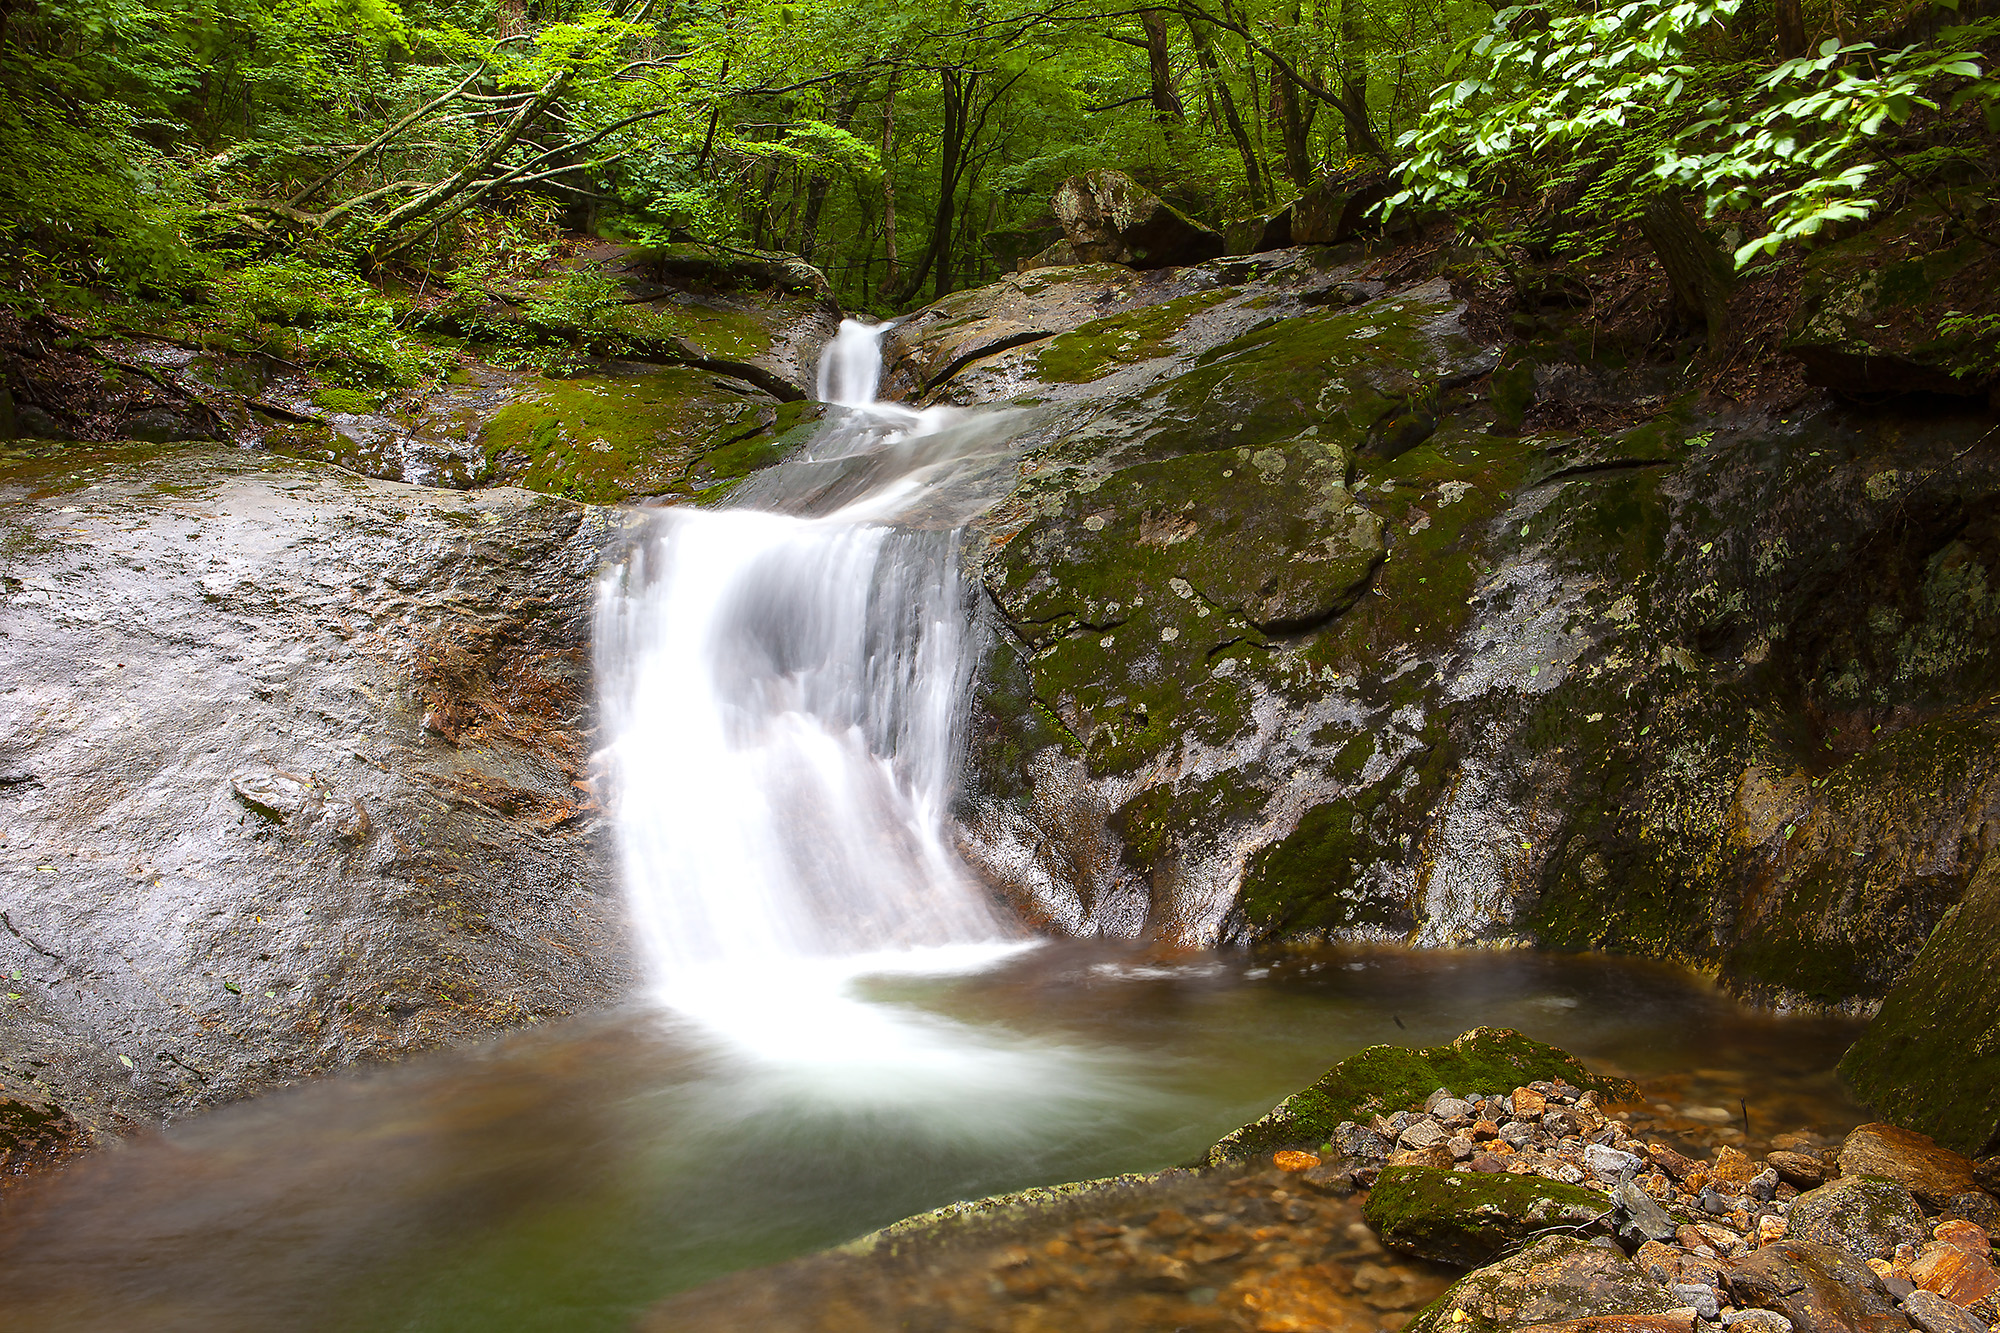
{"x": 291, "y": 776}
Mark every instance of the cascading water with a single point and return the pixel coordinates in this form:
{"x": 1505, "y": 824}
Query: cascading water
{"x": 785, "y": 695}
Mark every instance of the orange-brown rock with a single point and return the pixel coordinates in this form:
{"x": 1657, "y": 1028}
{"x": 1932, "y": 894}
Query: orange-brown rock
{"x": 1732, "y": 1166}
{"x": 1529, "y": 1104}
{"x": 1964, "y": 1236}
{"x": 1934, "y": 1174}
{"x": 1287, "y": 1160}
{"x": 1960, "y": 1277}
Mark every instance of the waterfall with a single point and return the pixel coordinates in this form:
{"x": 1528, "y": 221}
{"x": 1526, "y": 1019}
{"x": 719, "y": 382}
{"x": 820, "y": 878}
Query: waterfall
{"x": 784, "y": 694}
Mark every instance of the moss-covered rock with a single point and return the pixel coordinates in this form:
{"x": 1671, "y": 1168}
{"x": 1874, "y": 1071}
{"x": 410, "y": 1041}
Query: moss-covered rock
{"x": 1558, "y": 1278}
{"x": 1466, "y": 1218}
{"x": 1862, "y": 1216}
{"x": 640, "y": 432}
{"x": 1893, "y": 310}
{"x": 1384, "y": 1079}
{"x": 1931, "y": 1058}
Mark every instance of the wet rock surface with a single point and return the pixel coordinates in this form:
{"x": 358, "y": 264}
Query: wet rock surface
{"x": 291, "y": 774}
{"x": 1273, "y": 1245}
{"x": 1718, "y": 689}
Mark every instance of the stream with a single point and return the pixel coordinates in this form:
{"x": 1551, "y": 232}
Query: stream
{"x": 839, "y": 1029}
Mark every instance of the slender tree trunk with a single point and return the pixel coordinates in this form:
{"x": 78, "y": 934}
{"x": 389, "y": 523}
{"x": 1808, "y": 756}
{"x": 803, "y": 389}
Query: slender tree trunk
{"x": 843, "y": 116}
{"x": 1699, "y": 271}
{"x": 1361, "y": 136}
{"x": 1253, "y": 174}
{"x": 1791, "y": 29}
{"x": 891, "y": 274}
{"x": 1167, "y": 107}
{"x": 1291, "y": 121}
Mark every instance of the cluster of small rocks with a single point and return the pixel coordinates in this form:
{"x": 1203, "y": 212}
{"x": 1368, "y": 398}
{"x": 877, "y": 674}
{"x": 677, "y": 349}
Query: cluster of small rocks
{"x": 1910, "y": 1217}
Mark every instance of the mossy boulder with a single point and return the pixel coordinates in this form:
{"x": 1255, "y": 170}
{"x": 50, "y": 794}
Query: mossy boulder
{"x": 1894, "y": 311}
{"x": 637, "y": 432}
{"x": 1108, "y": 217}
{"x": 1382, "y": 1080}
{"x": 1931, "y": 1058}
{"x": 1466, "y": 1218}
{"x": 1863, "y": 1216}
{"x": 1557, "y": 1279}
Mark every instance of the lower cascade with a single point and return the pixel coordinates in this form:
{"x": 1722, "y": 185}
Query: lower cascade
{"x": 785, "y": 695}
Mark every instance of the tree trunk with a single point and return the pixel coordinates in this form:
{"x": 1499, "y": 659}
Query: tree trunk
{"x": 1699, "y": 272}
{"x": 1791, "y": 19}
{"x": 1292, "y": 126}
{"x": 1167, "y": 107}
{"x": 843, "y": 116}
{"x": 1205, "y": 56}
{"x": 890, "y": 274}
{"x": 1362, "y": 140}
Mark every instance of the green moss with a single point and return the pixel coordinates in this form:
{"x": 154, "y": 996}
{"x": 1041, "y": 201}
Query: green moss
{"x": 1466, "y": 1218}
{"x": 346, "y": 400}
{"x": 1093, "y": 350}
{"x": 1931, "y": 1059}
{"x": 713, "y": 331}
{"x": 600, "y": 439}
{"x": 1384, "y": 1079}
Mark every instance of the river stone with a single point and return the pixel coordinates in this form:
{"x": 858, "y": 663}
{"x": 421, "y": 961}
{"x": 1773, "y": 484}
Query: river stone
{"x": 293, "y": 760}
{"x": 1109, "y": 217}
{"x": 1934, "y": 1174}
{"x": 1465, "y": 1218}
{"x": 1555, "y": 1280}
{"x": 1866, "y": 1218}
{"x": 1610, "y": 1164}
{"x": 1819, "y": 1289}
{"x": 1934, "y": 1314}
{"x": 1391, "y": 1079}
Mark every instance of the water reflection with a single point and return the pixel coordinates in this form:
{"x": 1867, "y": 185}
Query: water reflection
{"x": 565, "y": 1178}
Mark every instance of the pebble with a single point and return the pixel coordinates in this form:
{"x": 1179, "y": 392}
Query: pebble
{"x": 1698, "y": 1296}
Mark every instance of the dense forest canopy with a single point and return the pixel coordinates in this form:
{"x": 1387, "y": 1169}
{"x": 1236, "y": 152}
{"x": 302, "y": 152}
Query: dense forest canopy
{"x": 291, "y": 160}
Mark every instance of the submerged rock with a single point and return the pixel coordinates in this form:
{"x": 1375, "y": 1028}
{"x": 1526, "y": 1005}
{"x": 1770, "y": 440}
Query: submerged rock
{"x": 292, "y": 773}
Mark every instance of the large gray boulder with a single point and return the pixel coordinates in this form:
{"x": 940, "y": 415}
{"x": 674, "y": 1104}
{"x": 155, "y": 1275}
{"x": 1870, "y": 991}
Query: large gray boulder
{"x": 289, "y": 773}
{"x": 1107, "y": 217}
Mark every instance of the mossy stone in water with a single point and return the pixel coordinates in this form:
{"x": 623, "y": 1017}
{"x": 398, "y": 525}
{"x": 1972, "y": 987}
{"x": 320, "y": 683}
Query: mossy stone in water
{"x": 1465, "y": 1217}
{"x": 1386, "y": 1079}
{"x": 1931, "y": 1059}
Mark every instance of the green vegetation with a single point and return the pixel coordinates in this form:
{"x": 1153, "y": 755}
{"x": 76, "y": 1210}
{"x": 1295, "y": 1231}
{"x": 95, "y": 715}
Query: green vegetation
{"x": 329, "y": 178}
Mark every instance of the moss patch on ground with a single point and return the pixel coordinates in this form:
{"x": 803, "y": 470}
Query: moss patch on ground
{"x": 1384, "y": 1079}
{"x": 1093, "y": 350}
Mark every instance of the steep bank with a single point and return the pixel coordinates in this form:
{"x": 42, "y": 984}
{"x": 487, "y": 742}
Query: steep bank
{"x": 293, "y": 773}
{"x": 1297, "y": 635}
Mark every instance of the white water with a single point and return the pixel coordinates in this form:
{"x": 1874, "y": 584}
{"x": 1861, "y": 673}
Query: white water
{"x": 785, "y": 696}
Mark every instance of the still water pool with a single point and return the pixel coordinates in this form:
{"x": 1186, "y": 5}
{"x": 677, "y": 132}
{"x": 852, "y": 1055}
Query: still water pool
{"x": 565, "y": 1177}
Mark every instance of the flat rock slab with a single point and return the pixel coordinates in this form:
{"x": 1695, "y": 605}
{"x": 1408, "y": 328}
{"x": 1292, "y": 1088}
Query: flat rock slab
{"x": 290, "y": 767}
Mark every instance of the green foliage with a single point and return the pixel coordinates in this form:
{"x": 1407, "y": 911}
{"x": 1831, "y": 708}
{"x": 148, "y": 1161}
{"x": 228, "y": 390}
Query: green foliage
{"x": 1624, "y": 102}
{"x": 85, "y": 199}
{"x": 327, "y": 318}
